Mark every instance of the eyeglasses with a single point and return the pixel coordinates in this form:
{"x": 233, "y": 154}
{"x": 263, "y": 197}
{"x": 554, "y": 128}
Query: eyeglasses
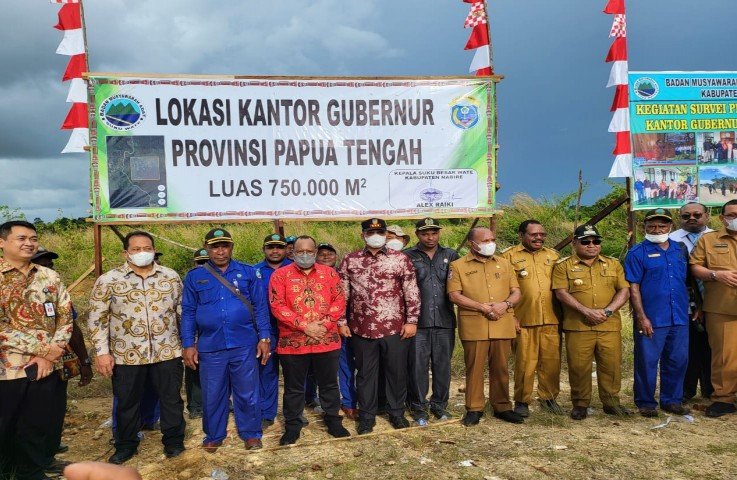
{"x": 686, "y": 216}
{"x": 596, "y": 241}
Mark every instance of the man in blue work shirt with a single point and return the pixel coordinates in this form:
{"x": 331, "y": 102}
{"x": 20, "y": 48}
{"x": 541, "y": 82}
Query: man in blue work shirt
{"x": 656, "y": 270}
{"x": 225, "y": 331}
{"x": 275, "y": 256}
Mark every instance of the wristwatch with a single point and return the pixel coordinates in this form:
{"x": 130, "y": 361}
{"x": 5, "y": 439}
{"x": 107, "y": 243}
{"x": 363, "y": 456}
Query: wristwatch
{"x": 608, "y": 312}
{"x": 509, "y": 304}
{"x": 265, "y": 340}
{"x": 713, "y": 276}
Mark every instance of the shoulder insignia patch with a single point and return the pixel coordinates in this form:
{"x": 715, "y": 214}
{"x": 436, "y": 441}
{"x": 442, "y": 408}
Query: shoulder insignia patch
{"x": 561, "y": 260}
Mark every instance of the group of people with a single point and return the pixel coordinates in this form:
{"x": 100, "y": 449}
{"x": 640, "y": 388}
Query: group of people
{"x": 374, "y": 334}
{"x": 722, "y": 151}
{"x": 647, "y": 190}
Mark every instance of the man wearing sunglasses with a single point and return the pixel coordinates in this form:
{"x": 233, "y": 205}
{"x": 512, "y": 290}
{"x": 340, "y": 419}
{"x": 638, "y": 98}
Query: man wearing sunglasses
{"x": 656, "y": 269}
{"x": 714, "y": 262}
{"x": 592, "y": 289}
{"x": 694, "y": 221}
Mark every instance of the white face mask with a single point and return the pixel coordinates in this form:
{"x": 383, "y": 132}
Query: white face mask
{"x": 376, "y": 240}
{"x": 141, "y": 259}
{"x": 395, "y": 244}
{"x": 486, "y": 249}
{"x": 732, "y": 224}
{"x": 662, "y": 238}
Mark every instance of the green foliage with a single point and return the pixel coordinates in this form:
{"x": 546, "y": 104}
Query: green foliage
{"x": 7, "y": 214}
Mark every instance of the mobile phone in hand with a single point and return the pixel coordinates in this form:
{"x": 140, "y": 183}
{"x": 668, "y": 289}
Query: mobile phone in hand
{"x": 31, "y": 372}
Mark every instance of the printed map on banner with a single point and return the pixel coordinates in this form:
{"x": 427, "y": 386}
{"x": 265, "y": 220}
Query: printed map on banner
{"x": 200, "y": 148}
{"x": 683, "y": 128}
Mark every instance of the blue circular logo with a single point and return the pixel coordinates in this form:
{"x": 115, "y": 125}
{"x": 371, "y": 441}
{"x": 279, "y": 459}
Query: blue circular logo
{"x": 122, "y": 112}
{"x": 646, "y": 88}
{"x": 464, "y": 115}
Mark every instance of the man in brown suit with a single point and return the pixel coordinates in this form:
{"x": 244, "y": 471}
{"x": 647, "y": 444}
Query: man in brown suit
{"x": 485, "y": 289}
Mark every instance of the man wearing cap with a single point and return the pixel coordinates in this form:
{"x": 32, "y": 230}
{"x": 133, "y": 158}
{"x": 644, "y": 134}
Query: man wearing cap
{"x": 432, "y": 347}
{"x": 384, "y": 306}
{"x": 694, "y": 219}
{"x": 275, "y": 256}
{"x": 290, "y": 245}
{"x": 486, "y": 290}
{"x": 592, "y": 289}
{"x": 134, "y": 327}
{"x": 396, "y": 239}
{"x": 537, "y": 349}
{"x": 656, "y": 269}
{"x": 308, "y": 300}
{"x": 192, "y": 385}
{"x": 328, "y": 256}
{"x": 714, "y": 262}
{"x": 225, "y": 333}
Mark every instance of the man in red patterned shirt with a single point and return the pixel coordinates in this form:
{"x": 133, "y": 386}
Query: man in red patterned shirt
{"x": 384, "y": 307}
{"x": 307, "y": 299}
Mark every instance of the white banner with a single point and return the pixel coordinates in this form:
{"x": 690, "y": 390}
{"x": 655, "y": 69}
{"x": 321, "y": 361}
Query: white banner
{"x": 177, "y": 149}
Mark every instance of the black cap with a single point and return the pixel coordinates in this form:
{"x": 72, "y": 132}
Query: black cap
{"x": 218, "y": 235}
{"x": 158, "y": 254}
{"x": 275, "y": 239}
{"x": 201, "y": 254}
{"x": 373, "y": 224}
{"x": 586, "y": 231}
{"x": 427, "y": 224}
{"x": 658, "y": 213}
{"x": 326, "y": 246}
{"x": 42, "y": 252}
{"x": 291, "y": 239}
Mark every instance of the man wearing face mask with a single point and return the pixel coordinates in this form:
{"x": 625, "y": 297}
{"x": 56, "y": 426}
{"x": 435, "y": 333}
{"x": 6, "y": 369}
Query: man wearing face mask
{"x": 714, "y": 262}
{"x": 275, "y": 256}
{"x": 694, "y": 219}
{"x": 592, "y": 289}
{"x": 485, "y": 289}
{"x": 656, "y": 269}
{"x": 384, "y": 306}
{"x": 133, "y": 323}
{"x": 396, "y": 239}
{"x": 308, "y": 300}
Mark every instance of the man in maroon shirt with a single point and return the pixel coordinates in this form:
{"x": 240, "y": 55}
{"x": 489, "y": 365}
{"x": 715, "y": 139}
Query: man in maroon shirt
{"x": 384, "y": 306}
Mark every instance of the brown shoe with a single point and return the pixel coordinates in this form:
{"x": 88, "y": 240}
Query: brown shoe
{"x": 579, "y": 413}
{"x": 648, "y": 412}
{"x": 253, "y": 443}
{"x": 211, "y": 447}
{"x": 676, "y": 409}
{"x": 350, "y": 413}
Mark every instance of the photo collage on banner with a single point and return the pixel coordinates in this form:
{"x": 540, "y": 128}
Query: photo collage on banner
{"x": 683, "y": 128}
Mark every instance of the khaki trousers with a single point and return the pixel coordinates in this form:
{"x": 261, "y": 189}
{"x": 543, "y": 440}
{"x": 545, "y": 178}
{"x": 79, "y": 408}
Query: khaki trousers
{"x": 582, "y": 348}
{"x": 477, "y": 354}
{"x": 537, "y": 349}
{"x": 722, "y": 332}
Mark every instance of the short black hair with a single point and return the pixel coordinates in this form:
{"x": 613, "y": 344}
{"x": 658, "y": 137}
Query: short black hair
{"x": 473, "y": 231}
{"x": 523, "y": 226}
{"x": 6, "y": 227}
{"x": 724, "y": 207}
{"x": 693, "y": 203}
{"x": 136, "y": 233}
{"x": 305, "y": 237}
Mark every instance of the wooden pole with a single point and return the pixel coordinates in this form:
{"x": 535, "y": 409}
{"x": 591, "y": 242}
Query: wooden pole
{"x": 97, "y": 234}
{"x": 596, "y": 218}
{"x": 631, "y": 232}
{"x": 578, "y": 197}
{"x": 492, "y": 220}
{"x": 82, "y": 277}
{"x": 279, "y": 227}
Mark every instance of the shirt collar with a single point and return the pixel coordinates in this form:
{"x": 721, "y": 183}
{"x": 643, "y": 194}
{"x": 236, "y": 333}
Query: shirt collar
{"x": 577, "y": 259}
{"x": 365, "y": 251}
{"x": 7, "y": 267}
{"x": 127, "y": 270}
{"x": 722, "y": 232}
{"x": 470, "y": 257}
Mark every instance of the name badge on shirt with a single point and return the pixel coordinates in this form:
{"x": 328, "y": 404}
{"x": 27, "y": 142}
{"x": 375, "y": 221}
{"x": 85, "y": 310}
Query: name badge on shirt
{"x": 651, "y": 255}
{"x": 49, "y": 308}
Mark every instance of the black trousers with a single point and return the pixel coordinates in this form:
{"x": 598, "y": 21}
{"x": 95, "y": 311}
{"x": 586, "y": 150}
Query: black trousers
{"x": 31, "y": 417}
{"x": 295, "y": 368}
{"x": 430, "y": 349}
{"x": 699, "y": 363}
{"x": 193, "y": 390}
{"x": 391, "y": 353}
{"x": 128, "y": 385}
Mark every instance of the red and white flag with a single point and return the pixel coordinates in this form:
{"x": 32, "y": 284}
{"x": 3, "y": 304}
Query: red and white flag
{"x": 478, "y": 41}
{"x": 65, "y": 1}
{"x": 477, "y": 16}
{"x": 618, "y": 78}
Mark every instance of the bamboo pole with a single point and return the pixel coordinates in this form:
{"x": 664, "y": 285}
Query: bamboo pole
{"x": 82, "y": 277}
{"x": 97, "y": 235}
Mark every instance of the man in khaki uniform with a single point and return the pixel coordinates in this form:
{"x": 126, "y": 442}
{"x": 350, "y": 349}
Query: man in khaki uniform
{"x": 714, "y": 261}
{"x": 592, "y": 289}
{"x": 538, "y": 344}
{"x": 485, "y": 289}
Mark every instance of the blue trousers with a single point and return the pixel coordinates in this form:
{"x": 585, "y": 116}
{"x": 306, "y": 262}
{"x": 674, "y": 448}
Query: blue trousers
{"x": 223, "y": 373}
{"x": 347, "y": 376}
{"x": 150, "y": 410}
{"x": 269, "y": 383}
{"x": 669, "y": 348}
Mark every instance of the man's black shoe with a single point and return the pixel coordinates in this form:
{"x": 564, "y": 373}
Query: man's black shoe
{"x": 676, "y": 409}
{"x": 303, "y": 420}
{"x": 56, "y": 467}
{"x": 522, "y": 409}
{"x": 121, "y": 456}
{"x": 472, "y": 418}
{"x": 63, "y": 448}
{"x": 441, "y": 413}
{"x": 173, "y": 451}
{"x": 579, "y": 413}
{"x": 509, "y": 416}
{"x": 335, "y": 426}
{"x": 398, "y": 421}
{"x": 717, "y": 409}
{"x": 365, "y": 426}
{"x": 617, "y": 410}
{"x": 648, "y": 412}
{"x": 290, "y": 436}
{"x": 551, "y": 406}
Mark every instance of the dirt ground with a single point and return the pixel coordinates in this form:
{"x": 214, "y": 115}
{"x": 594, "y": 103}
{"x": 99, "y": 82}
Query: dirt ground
{"x": 546, "y": 446}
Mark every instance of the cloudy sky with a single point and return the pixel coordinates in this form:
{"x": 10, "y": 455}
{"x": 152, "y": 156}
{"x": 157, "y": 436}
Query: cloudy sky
{"x": 553, "y": 107}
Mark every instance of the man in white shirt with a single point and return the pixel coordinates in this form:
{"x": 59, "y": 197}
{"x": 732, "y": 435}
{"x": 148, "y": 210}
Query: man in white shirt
{"x": 694, "y": 219}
